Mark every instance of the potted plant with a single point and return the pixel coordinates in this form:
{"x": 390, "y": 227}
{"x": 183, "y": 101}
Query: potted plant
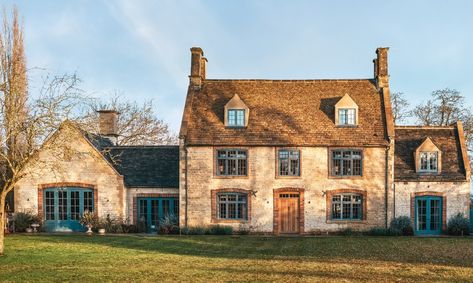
{"x": 89, "y": 219}
{"x": 101, "y": 227}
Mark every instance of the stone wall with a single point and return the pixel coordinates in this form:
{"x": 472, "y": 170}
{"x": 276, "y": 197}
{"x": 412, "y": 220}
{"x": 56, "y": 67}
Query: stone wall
{"x": 72, "y": 162}
{"x": 315, "y": 182}
{"x": 456, "y": 195}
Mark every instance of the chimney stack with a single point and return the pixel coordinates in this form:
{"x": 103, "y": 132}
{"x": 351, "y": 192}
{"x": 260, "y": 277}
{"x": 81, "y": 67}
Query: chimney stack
{"x": 108, "y": 124}
{"x": 381, "y": 67}
{"x": 198, "y": 67}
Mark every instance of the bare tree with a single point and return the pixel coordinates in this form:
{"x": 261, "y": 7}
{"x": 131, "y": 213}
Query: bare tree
{"x": 137, "y": 123}
{"x": 400, "y": 107}
{"x": 445, "y": 108}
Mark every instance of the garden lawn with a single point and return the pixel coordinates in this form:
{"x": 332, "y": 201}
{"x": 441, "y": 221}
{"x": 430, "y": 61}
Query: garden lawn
{"x": 235, "y": 258}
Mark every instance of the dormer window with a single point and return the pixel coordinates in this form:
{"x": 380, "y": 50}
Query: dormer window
{"x": 347, "y": 117}
{"x": 346, "y": 112}
{"x": 236, "y": 117}
{"x": 236, "y": 113}
{"x": 428, "y": 162}
{"x": 428, "y": 157}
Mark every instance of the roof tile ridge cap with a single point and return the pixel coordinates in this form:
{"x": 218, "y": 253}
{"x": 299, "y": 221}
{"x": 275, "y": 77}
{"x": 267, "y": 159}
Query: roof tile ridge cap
{"x": 288, "y": 80}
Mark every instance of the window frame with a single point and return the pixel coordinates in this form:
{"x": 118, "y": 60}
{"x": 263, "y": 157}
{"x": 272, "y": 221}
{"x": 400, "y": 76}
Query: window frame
{"x": 215, "y": 205}
{"x": 329, "y": 205}
{"x": 332, "y": 162}
{"x": 342, "y": 202}
{"x": 428, "y": 168}
{"x": 278, "y": 163}
{"x": 236, "y": 124}
{"x": 217, "y": 158}
{"x": 240, "y": 199}
{"x": 346, "y": 115}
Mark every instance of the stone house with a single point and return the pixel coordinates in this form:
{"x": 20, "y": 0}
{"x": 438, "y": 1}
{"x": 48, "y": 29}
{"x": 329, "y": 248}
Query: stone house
{"x": 82, "y": 171}
{"x": 301, "y": 156}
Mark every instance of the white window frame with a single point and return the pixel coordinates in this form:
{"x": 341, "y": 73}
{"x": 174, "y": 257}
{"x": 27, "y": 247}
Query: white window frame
{"x": 346, "y": 114}
{"x": 234, "y": 122}
{"x": 429, "y": 155}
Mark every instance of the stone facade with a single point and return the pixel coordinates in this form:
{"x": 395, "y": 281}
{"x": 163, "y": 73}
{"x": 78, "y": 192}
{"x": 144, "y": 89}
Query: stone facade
{"x": 73, "y": 162}
{"x": 456, "y": 196}
{"x": 262, "y": 180}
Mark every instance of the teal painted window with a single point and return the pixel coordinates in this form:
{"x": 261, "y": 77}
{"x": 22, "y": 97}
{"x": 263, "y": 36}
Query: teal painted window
{"x": 347, "y": 207}
{"x": 347, "y": 117}
{"x": 63, "y": 207}
{"x": 289, "y": 162}
{"x": 152, "y": 210}
{"x": 232, "y": 206}
{"x": 428, "y": 215}
{"x": 231, "y": 162}
{"x": 236, "y": 117}
{"x": 347, "y": 162}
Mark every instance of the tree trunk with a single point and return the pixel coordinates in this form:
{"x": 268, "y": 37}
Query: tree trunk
{"x": 2, "y": 222}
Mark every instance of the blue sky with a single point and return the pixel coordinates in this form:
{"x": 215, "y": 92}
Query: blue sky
{"x": 141, "y": 48}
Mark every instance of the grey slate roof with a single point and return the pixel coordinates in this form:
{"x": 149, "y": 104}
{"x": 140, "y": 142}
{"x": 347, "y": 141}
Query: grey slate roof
{"x": 146, "y": 166}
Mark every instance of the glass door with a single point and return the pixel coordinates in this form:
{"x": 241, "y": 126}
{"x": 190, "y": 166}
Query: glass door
{"x": 428, "y": 220}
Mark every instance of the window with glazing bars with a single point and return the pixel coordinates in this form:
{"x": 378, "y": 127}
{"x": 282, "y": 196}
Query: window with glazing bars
{"x": 346, "y": 163}
{"x": 232, "y": 206}
{"x": 347, "y": 207}
{"x": 428, "y": 161}
{"x": 236, "y": 117}
{"x": 289, "y": 162}
{"x": 346, "y": 116}
{"x": 231, "y": 162}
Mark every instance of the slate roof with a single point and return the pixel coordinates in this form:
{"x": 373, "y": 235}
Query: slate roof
{"x": 408, "y": 138}
{"x": 285, "y": 112}
{"x": 147, "y": 166}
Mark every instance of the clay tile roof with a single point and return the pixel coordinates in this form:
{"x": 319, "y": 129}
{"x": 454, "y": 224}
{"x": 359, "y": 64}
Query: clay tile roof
{"x": 285, "y": 112}
{"x": 408, "y": 138}
{"x": 147, "y": 166}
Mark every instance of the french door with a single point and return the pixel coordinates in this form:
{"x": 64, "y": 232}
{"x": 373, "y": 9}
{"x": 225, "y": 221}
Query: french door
{"x": 152, "y": 210}
{"x": 63, "y": 208}
{"x": 428, "y": 219}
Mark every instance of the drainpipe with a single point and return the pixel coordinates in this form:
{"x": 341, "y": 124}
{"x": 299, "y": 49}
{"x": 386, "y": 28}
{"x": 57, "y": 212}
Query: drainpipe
{"x": 386, "y": 184}
{"x": 186, "y": 187}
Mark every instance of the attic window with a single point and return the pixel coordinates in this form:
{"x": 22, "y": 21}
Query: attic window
{"x": 428, "y": 162}
{"x": 347, "y": 117}
{"x": 236, "y": 117}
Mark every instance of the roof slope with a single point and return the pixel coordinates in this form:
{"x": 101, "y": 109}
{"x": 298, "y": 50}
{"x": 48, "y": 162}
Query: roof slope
{"x": 408, "y": 138}
{"x": 287, "y": 112}
{"x": 147, "y": 166}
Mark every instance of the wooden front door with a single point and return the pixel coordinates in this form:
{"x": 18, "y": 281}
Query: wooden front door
{"x": 288, "y": 213}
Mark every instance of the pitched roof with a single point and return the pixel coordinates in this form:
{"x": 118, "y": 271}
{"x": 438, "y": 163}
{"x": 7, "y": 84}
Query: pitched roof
{"x": 409, "y": 138}
{"x": 147, "y": 166}
{"x": 284, "y": 112}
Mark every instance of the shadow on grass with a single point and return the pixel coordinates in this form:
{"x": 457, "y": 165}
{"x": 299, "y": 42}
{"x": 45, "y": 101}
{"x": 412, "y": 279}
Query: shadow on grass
{"x": 440, "y": 251}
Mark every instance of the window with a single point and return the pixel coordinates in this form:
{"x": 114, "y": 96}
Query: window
{"x": 428, "y": 161}
{"x": 231, "y": 162}
{"x": 232, "y": 206}
{"x": 347, "y": 207}
{"x": 347, "y": 117}
{"x": 346, "y": 163}
{"x": 289, "y": 162}
{"x": 236, "y": 117}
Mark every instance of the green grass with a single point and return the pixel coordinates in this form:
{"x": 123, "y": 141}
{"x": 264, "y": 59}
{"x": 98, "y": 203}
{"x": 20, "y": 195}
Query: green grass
{"x": 235, "y": 258}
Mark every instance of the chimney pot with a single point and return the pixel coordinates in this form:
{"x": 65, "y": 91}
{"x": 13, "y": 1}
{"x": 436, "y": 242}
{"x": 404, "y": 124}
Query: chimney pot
{"x": 198, "y": 65}
{"x": 108, "y": 124}
{"x": 381, "y": 67}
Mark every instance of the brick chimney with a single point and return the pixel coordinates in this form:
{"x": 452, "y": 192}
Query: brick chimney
{"x": 198, "y": 67}
{"x": 381, "y": 67}
{"x": 108, "y": 124}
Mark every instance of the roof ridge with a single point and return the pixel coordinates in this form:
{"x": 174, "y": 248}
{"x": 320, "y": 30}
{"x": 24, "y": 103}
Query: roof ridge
{"x": 287, "y": 80}
{"x": 142, "y": 146}
{"x": 424, "y": 127}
